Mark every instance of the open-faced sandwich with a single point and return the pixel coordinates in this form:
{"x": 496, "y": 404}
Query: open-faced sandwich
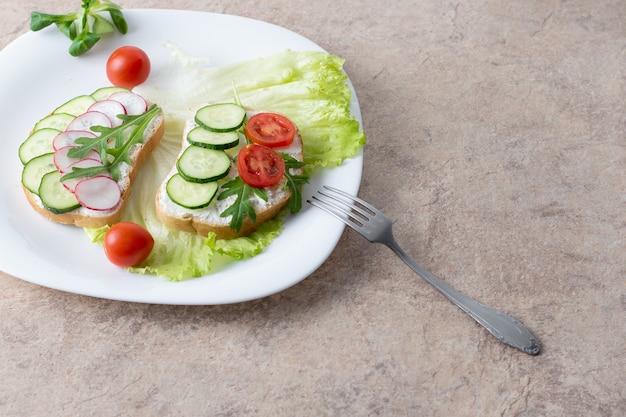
{"x": 236, "y": 170}
{"x": 81, "y": 160}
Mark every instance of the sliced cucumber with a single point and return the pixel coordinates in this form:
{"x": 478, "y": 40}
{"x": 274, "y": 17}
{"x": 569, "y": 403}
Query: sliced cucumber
{"x": 58, "y": 121}
{"x": 199, "y": 136}
{"x": 38, "y": 143}
{"x": 191, "y": 195}
{"x": 54, "y": 196}
{"x": 76, "y": 106}
{"x": 222, "y": 117}
{"x": 35, "y": 169}
{"x": 203, "y": 165}
{"x": 105, "y": 92}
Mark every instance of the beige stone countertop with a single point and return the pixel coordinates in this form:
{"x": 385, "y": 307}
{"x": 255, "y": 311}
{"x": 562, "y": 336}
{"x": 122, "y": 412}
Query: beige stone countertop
{"x": 496, "y": 142}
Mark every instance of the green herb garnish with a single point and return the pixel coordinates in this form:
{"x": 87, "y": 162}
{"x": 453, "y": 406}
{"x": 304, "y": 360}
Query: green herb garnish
{"x": 113, "y": 144}
{"x": 294, "y": 182}
{"x": 85, "y": 26}
{"x": 242, "y": 207}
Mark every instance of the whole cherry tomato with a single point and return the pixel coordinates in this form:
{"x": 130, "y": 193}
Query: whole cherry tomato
{"x": 127, "y": 244}
{"x": 128, "y": 67}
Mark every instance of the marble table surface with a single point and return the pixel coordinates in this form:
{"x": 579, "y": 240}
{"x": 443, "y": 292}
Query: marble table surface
{"x": 497, "y": 143}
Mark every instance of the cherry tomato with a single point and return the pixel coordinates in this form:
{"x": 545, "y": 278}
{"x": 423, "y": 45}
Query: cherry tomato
{"x": 127, "y": 244}
{"x": 260, "y": 166}
{"x": 128, "y": 67}
{"x": 270, "y": 129}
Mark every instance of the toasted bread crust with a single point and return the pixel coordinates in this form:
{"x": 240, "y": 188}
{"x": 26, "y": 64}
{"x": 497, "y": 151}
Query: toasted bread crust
{"x": 189, "y": 221}
{"x": 80, "y": 218}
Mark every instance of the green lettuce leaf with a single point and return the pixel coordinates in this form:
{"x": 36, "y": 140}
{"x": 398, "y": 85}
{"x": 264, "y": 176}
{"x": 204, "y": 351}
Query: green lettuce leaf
{"x": 309, "y": 87}
{"x": 253, "y": 244}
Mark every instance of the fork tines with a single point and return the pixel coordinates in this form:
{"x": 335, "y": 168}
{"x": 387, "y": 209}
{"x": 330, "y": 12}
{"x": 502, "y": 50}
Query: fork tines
{"x": 347, "y": 208}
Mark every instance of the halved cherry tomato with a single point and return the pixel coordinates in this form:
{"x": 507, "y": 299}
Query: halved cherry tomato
{"x": 260, "y": 166}
{"x": 127, "y": 244}
{"x": 270, "y": 129}
{"x": 128, "y": 67}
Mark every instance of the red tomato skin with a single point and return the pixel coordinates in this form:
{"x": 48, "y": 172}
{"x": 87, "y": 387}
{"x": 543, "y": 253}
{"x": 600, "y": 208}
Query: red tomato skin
{"x": 270, "y": 129}
{"x": 128, "y": 66}
{"x": 127, "y": 244}
{"x": 260, "y": 166}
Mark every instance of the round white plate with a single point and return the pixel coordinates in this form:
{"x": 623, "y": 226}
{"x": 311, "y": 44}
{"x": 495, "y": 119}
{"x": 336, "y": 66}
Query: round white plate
{"x": 37, "y": 74}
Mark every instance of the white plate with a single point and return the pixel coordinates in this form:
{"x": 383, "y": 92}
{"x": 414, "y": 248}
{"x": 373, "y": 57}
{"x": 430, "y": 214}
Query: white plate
{"x": 37, "y": 74}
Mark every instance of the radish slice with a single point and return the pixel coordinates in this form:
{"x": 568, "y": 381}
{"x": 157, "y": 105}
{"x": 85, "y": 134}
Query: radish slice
{"x": 68, "y": 138}
{"x": 86, "y": 163}
{"x": 111, "y": 108}
{"x": 98, "y": 193}
{"x": 83, "y": 163}
{"x": 61, "y": 160}
{"x": 73, "y": 182}
{"x": 64, "y": 163}
{"x": 134, "y": 103}
{"x": 88, "y": 119}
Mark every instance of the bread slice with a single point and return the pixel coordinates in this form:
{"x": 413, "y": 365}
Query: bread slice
{"x": 84, "y": 217}
{"x": 206, "y": 220}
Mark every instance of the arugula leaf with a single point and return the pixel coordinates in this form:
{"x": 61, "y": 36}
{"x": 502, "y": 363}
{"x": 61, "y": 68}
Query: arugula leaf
{"x": 76, "y": 25}
{"x": 241, "y": 207}
{"x": 294, "y": 182}
{"x": 113, "y": 144}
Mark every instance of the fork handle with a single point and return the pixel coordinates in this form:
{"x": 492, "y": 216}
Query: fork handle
{"x": 506, "y": 328}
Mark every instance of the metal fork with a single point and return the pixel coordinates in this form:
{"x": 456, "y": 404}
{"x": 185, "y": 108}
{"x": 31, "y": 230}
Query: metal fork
{"x": 372, "y": 224}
